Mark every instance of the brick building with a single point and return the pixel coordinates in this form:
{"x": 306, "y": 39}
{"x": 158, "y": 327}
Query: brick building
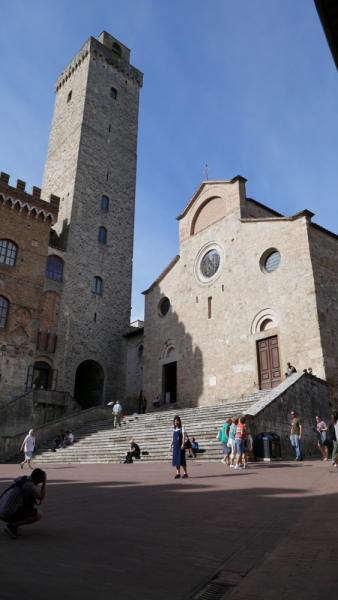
{"x": 65, "y": 302}
{"x": 250, "y": 290}
{"x": 26, "y": 313}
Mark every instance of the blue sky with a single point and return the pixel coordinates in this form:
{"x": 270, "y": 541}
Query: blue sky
{"x": 248, "y": 87}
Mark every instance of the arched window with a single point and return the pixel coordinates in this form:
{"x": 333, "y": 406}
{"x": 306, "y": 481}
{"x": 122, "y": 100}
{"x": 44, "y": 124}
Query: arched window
{"x": 8, "y": 252}
{"x": 54, "y": 268}
{"x": 97, "y": 285}
{"x": 113, "y": 93}
{"x": 102, "y": 235}
{"x": 104, "y": 203}
{"x": 117, "y": 48}
{"x": 4, "y": 306}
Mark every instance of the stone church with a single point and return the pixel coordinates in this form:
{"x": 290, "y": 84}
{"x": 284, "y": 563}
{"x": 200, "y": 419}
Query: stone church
{"x": 250, "y": 290}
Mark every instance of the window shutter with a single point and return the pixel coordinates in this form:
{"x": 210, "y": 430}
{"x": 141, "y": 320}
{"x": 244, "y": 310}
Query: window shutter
{"x": 30, "y": 374}
{"x": 54, "y": 373}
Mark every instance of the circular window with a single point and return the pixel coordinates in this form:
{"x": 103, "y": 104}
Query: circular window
{"x": 210, "y": 263}
{"x": 272, "y": 262}
{"x": 164, "y": 306}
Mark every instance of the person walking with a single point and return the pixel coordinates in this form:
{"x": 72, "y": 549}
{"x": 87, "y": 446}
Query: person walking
{"x": 239, "y": 440}
{"x": 144, "y": 404}
{"x": 28, "y": 445}
{"x": 231, "y": 441}
{"x": 322, "y": 441}
{"x": 296, "y": 434}
{"x": 117, "y": 412}
{"x": 333, "y": 436}
{"x": 177, "y": 446}
{"x": 225, "y": 432}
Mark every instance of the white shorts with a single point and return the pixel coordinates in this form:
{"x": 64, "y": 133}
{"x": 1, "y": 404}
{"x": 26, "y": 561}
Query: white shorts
{"x": 232, "y": 445}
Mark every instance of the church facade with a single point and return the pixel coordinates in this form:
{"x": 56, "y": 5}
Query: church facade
{"x": 250, "y": 290}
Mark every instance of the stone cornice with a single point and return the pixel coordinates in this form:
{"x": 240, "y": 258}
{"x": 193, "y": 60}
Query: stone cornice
{"x": 163, "y": 274}
{"x": 303, "y": 213}
{"x": 93, "y": 46}
{"x": 205, "y": 184}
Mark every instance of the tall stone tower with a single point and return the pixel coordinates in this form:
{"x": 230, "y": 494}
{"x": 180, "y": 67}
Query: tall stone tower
{"x": 91, "y": 162}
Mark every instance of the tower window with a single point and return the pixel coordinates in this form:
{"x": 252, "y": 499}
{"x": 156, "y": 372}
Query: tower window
{"x": 104, "y": 203}
{"x": 113, "y": 93}
{"x": 210, "y": 307}
{"x": 4, "y": 306}
{"x": 8, "y": 252}
{"x": 117, "y": 48}
{"x": 54, "y": 268}
{"x": 97, "y": 285}
{"x": 102, "y": 235}
{"x": 69, "y": 97}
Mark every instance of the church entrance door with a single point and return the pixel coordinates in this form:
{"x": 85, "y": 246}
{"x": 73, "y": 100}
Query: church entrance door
{"x": 169, "y": 378}
{"x": 269, "y": 363}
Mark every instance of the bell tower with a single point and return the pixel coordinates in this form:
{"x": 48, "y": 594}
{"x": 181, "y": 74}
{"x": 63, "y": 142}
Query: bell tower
{"x": 91, "y": 162}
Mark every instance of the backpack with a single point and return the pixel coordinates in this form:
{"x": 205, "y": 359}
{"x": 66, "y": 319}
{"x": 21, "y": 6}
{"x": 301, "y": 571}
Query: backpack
{"x": 19, "y": 484}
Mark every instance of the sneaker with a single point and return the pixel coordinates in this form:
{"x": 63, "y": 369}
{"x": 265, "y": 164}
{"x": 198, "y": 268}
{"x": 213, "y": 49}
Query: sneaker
{"x": 237, "y": 467}
{"x": 177, "y": 476}
{"x": 184, "y": 476}
{"x": 244, "y": 466}
{"x": 223, "y": 461}
{"x": 232, "y": 467}
{"x": 335, "y": 465}
{"x": 13, "y": 531}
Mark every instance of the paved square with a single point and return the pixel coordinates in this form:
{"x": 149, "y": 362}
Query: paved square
{"x": 131, "y": 531}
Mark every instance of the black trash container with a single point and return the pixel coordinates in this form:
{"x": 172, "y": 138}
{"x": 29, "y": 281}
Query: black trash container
{"x": 268, "y": 446}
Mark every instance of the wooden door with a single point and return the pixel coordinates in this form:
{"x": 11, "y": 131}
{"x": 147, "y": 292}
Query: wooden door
{"x": 269, "y": 364}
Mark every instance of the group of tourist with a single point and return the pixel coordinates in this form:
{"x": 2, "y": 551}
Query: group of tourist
{"x": 236, "y": 441}
{"x": 327, "y": 437}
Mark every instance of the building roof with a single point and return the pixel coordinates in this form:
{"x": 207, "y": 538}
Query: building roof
{"x": 328, "y": 14}
{"x": 163, "y": 274}
{"x": 202, "y": 186}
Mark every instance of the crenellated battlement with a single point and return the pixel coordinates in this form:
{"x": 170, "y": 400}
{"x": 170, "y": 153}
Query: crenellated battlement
{"x": 29, "y": 203}
{"x": 109, "y": 55}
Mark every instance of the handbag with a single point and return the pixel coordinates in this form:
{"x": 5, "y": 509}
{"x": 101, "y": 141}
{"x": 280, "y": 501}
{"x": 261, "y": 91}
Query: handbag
{"x": 187, "y": 444}
{"x": 219, "y": 436}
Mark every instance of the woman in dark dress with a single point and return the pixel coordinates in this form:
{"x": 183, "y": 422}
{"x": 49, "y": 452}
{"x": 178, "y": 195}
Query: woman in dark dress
{"x": 178, "y": 448}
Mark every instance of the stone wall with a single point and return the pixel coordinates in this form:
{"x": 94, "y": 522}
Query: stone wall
{"x": 26, "y": 221}
{"x": 134, "y": 371}
{"x": 10, "y": 444}
{"x": 92, "y": 152}
{"x": 324, "y": 252}
{"x": 305, "y": 394}
{"x": 34, "y": 409}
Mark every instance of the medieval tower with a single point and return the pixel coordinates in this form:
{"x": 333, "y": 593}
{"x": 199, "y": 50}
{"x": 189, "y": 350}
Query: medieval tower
{"x": 91, "y": 163}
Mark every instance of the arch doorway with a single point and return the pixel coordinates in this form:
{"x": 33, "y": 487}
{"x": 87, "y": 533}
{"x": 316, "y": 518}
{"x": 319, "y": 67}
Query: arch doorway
{"x": 89, "y": 380}
{"x": 42, "y": 376}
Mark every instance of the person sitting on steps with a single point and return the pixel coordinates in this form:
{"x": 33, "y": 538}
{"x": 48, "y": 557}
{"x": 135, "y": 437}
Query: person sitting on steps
{"x": 133, "y": 452}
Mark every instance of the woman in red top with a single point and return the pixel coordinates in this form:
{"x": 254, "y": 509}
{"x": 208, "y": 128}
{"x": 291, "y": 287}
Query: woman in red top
{"x": 239, "y": 441}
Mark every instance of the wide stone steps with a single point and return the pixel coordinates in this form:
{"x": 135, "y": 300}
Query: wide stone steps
{"x": 99, "y": 442}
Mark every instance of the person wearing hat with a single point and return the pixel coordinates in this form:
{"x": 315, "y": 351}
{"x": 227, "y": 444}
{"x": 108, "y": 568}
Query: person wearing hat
{"x": 133, "y": 452}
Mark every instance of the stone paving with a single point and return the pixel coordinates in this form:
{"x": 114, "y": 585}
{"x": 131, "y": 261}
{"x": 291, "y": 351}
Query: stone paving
{"x": 131, "y": 531}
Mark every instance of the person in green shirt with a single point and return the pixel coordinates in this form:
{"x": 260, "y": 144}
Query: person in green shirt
{"x": 224, "y": 439}
{"x": 296, "y": 434}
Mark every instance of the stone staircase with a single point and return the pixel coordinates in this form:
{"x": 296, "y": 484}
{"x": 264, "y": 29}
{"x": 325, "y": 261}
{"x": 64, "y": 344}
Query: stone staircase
{"x": 99, "y": 442}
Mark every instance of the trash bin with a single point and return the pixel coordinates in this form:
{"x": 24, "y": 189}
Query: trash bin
{"x": 268, "y": 446}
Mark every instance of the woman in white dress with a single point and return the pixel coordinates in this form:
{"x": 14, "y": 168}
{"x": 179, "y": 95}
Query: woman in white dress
{"x": 28, "y": 446}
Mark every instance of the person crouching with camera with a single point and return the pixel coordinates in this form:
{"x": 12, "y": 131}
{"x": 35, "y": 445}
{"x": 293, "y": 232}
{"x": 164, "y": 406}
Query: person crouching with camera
{"x": 17, "y": 503}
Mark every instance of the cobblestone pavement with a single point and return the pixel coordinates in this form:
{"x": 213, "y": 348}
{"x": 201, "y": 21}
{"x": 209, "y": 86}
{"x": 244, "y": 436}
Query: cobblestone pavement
{"x": 131, "y": 531}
